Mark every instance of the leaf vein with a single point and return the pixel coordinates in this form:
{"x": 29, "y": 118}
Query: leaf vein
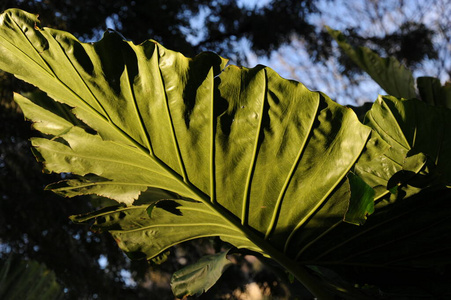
{"x": 278, "y": 205}
{"x": 247, "y": 190}
{"x": 175, "y": 225}
{"x": 171, "y": 124}
{"x": 326, "y": 195}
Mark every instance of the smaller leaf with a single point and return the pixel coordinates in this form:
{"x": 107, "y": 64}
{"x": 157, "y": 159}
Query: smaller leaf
{"x": 361, "y": 203}
{"x": 199, "y": 277}
{"x": 389, "y": 73}
{"x": 420, "y": 144}
{"x": 432, "y": 92}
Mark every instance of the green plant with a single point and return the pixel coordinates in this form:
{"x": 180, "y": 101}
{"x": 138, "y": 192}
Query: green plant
{"x": 190, "y": 148}
{"x": 20, "y": 279}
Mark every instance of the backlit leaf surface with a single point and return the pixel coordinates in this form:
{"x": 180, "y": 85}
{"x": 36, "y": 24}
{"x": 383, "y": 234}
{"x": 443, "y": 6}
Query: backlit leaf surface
{"x": 190, "y": 148}
{"x": 261, "y": 155}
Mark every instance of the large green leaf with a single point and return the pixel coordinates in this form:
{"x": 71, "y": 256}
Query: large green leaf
{"x": 191, "y": 149}
{"x": 253, "y": 155}
{"x": 393, "y": 77}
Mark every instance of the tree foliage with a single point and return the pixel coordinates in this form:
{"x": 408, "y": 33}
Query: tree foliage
{"x": 170, "y": 22}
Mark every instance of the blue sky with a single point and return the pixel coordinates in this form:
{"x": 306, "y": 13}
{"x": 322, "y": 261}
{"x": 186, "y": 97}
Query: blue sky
{"x": 373, "y": 17}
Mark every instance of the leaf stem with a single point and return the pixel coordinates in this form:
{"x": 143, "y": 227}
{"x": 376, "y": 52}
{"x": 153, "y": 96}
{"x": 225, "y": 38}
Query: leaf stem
{"x": 303, "y": 276}
{"x": 299, "y": 272}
